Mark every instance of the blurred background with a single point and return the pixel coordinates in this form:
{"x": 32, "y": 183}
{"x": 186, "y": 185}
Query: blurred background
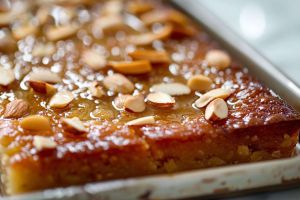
{"x": 270, "y": 26}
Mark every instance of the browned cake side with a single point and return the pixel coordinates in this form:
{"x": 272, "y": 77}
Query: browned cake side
{"x": 43, "y": 146}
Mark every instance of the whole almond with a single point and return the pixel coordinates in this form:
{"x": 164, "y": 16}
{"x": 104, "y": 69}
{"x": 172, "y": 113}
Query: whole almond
{"x": 199, "y": 83}
{"x": 35, "y": 123}
{"x": 16, "y": 109}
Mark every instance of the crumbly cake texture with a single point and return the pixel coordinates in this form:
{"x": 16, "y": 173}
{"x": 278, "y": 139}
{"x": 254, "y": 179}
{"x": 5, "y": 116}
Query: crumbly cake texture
{"x": 94, "y": 91}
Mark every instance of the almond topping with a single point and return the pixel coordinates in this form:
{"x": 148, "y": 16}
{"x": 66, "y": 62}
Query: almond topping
{"x": 211, "y": 95}
{"x": 173, "y": 89}
{"x": 61, "y": 99}
{"x": 35, "y": 123}
{"x": 96, "y": 90}
{"x": 218, "y": 58}
{"x": 7, "y": 76}
{"x": 61, "y": 32}
{"x": 141, "y": 121}
{"x": 148, "y": 38}
{"x": 161, "y": 100}
{"x": 24, "y": 30}
{"x": 200, "y": 83}
{"x": 118, "y": 83}
{"x": 45, "y": 75}
{"x": 135, "y": 103}
{"x": 94, "y": 60}
{"x": 41, "y": 142}
{"x": 42, "y": 50}
{"x": 107, "y": 23}
{"x": 114, "y": 7}
{"x": 139, "y": 7}
{"x": 216, "y": 110}
{"x": 73, "y": 125}
{"x": 16, "y": 109}
{"x": 151, "y": 55}
{"x": 119, "y": 101}
{"x": 163, "y": 16}
{"x": 132, "y": 67}
{"x": 42, "y": 87}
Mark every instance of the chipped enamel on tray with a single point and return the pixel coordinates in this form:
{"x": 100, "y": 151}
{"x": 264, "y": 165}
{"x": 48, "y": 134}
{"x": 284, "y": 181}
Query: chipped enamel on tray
{"x": 201, "y": 182}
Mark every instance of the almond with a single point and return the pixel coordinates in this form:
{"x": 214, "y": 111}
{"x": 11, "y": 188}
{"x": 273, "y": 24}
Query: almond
{"x": 211, "y": 95}
{"x": 118, "y": 83}
{"x": 35, "y": 123}
{"x": 200, "y": 83}
{"x": 16, "y": 109}
{"x": 161, "y": 100}
{"x": 24, "y": 30}
{"x": 132, "y": 67}
{"x": 73, "y": 125}
{"x": 94, "y": 60}
{"x": 44, "y": 75}
{"x": 148, "y": 38}
{"x": 119, "y": 102}
{"x": 135, "y": 104}
{"x": 151, "y": 55}
{"x": 218, "y": 58}
{"x": 216, "y": 110}
{"x": 141, "y": 121}
{"x": 42, "y": 50}
{"x": 138, "y": 8}
{"x": 7, "y": 76}
{"x": 61, "y": 99}
{"x": 61, "y": 32}
{"x": 41, "y": 142}
{"x": 106, "y": 24}
{"x": 113, "y": 7}
{"x": 96, "y": 90}
{"x": 173, "y": 89}
{"x": 163, "y": 16}
{"x": 42, "y": 87}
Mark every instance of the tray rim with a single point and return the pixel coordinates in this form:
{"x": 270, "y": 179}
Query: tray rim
{"x": 191, "y": 183}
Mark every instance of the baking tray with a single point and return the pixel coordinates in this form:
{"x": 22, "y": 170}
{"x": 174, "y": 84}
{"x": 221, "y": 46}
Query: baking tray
{"x": 208, "y": 182}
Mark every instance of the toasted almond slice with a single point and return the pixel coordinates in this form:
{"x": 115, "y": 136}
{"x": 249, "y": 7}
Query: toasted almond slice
{"x": 161, "y": 100}
{"x": 73, "y": 125}
{"x": 218, "y": 58}
{"x": 138, "y": 8}
{"x": 35, "y": 123}
{"x": 7, "y": 76}
{"x": 107, "y": 23}
{"x": 16, "y": 109}
{"x": 132, "y": 67}
{"x": 118, "y": 83}
{"x": 119, "y": 101}
{"x": 148, "y": 38}
{"x": 42, "y": 87}
{"x": 163, "y": 16}
{"x": 61, "y": 99}
{"x": 141, "y": 121}
{"x": 114, "y": 7}
{"x": 173, "y": 89}
{"x": 135, "y": 104}
{"x": 211, "y": 95}
{"x": 94, "y": 60}
{"x": 41, "y": 142}
{"x": 45, "y": 75}
{"x": 200, "y": 83}
{"x": 96, "y": 90}
{"x": 151, "y": 55}
{"x": 61, "y": 32}
{"x": 216, "y": 110}
{"x": 24, "y": 30}
{"x": 42, "y": 50}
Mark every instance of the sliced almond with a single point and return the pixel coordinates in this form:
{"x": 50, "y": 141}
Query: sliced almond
{"x": 141, "y": 121}
{"x": 148, "y": 38}
{"x": 119, "y": 102}
{"x": 7, "y": 76}
{"x": 35, "y": 123}
{"x": 151, "y": 55}
{"x": 161, "y": 100}
{"x": 42, "y": 50}
{"x": 132, "y": 67}
{"x": 108, "y": 23}
{"x": 138, "y": 8}
{"x": 163, "y": 16}
{"x": 96, "y": 90}
{"x": 45, "y": 75}
{"x": 42, "y": 87}
{"x": 94, "y": 60}
{"x": 218, "y": 58}
{"x": 73, "y": 125}
{"x": 211, "y": 95}
{"x": 61, "y": 32}
{"x": 173, "y": 89}
{"x": 16, "y": 109}
{"x": 41, "y": 142}
{"x": 216, "y": 110}
{"x": 200, "y": 83}
{"x": 61, "y": 99}
{"x": 135, "y": 104}
{"x": 113, "y": 7}
{"x": 24, "y": 30}
{"x": 118, "y": 83}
